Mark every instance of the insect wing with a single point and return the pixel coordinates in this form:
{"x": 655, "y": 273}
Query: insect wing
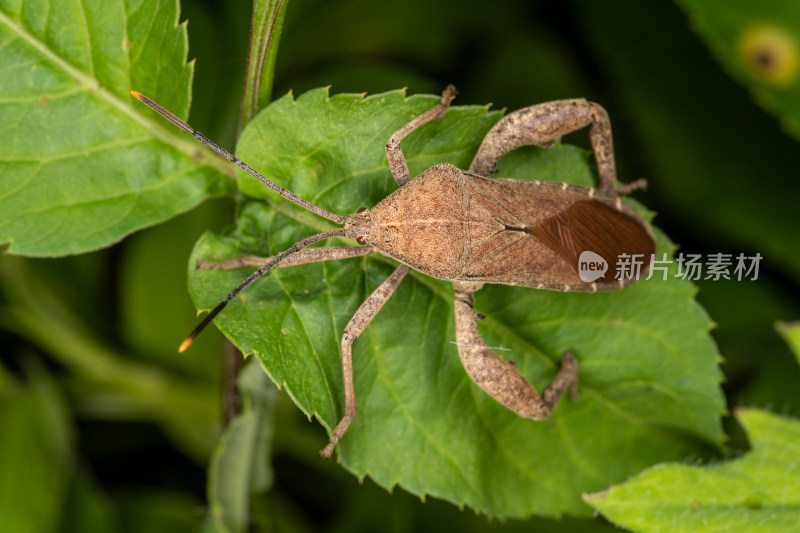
{"x": 591, "y": 236}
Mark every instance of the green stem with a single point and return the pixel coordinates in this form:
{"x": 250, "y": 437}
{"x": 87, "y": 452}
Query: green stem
{"x": 265, "y": 33}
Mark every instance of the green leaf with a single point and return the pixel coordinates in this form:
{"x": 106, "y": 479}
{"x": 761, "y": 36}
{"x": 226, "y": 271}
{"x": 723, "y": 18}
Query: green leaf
{"x": 758, "y": 492}
{"x": 648, "y": 366}
{"x": 757, "y": 42}
{"x": 790, "y": 331}
{"x": 80, "y": 167}
{"x": 240, "y": 466}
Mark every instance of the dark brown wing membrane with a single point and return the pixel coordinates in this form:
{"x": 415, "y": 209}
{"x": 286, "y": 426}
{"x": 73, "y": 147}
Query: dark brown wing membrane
{"x": 589, "y": 225}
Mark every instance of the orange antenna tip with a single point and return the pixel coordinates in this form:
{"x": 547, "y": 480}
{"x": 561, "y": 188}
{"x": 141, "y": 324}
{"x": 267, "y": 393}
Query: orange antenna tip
{"x": 185, "y": 344}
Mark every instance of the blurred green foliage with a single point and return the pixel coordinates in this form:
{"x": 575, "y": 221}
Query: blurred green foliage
{"x": 106, "y": 428}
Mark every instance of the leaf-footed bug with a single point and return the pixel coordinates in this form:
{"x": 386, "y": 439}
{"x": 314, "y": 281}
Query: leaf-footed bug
{"x": 470, "y": 229}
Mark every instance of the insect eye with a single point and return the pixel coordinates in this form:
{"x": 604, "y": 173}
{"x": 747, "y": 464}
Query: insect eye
{"x": 361, "y": 209}
{"x": 361, "y": 239}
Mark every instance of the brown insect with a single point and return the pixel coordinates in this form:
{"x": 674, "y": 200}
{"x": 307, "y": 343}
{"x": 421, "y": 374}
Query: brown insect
{"x": 471, "y": 229}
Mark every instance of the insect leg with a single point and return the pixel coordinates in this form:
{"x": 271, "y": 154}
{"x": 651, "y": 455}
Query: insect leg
{"x": 354, "y": 328}
{"x": 309, "y": 255}
{"x": 397, "y": 161}
{"x": 635, "y": 185}
{"x": 500, "y": 377}
{"x": 543, "y": 125}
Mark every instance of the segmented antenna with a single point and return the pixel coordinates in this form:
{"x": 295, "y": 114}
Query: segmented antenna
{"x": 288, "y": 195}
{"x": 254, "y": 276}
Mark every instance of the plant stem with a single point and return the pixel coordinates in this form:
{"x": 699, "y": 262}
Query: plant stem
{"x": 265, "y": 33}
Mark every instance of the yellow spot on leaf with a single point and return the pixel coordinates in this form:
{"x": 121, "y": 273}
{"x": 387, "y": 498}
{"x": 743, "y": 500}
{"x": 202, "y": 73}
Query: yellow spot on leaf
{"x": 770, "y": 53}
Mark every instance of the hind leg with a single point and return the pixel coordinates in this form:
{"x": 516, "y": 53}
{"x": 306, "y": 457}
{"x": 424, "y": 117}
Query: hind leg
{"x": 543, "y": 125}
{"x": 500, "y": 377}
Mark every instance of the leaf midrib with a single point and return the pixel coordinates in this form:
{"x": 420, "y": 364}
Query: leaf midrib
{"x": 95, "y": 87}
